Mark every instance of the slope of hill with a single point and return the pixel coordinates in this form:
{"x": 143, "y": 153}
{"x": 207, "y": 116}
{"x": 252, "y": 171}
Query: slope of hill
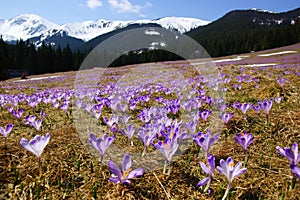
{"x": 248, "y": 30}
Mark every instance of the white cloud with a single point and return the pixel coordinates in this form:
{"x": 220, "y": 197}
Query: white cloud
{"x": 93, "y": 4}
{"x": 125, "y": 6}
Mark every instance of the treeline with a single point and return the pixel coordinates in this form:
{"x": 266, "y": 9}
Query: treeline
{"x": 222, "y": 43}
{"x": 145, "y": 56}
{"x": 44, "y": 59}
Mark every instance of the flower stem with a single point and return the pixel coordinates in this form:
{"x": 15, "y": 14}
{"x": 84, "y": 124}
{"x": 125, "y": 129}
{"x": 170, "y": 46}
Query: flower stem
{"x": 208, "y": 185}
{"x": 293, "y": 183}
{"x": 246, "y": 159}
{"x": 226, "y": 192}
{"x": 5, "y": 147}
{"x": 169, "y": 165}
{"x": 102, "y": 159}
{"x": 165, "y": 166}
{"x": 40, "y": 167}
{"x": 144, "y": 151}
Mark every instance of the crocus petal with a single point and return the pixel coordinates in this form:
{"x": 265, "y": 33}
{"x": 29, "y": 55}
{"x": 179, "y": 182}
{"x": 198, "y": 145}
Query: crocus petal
{"x": 126, "y": 163}
{"x": 237, "y": 170}
{"x": 114, "y": 180}
{"x": 205, "y": 168}
{"x": 211, "y": 162}
{"x": 25, "y": 144}
{"x": 295, "y": 170}
{"x": 281, "y": 151}
{"x": 9, "y": 128}
{"x": 127, "y": 182}
{"x": 2, "y": 131}
{"x": 203, "y": 182}
{"x": 290, "y": 155}
{"x": 135, "y": 173}
{"x": 294, "y": 148}
{"x": 115, "y": 169}
{"x": 93, "y": 137}
{"x": 221, "y": 170}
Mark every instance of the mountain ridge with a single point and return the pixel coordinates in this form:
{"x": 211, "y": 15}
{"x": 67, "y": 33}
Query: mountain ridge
{"x": 18, "y": 27}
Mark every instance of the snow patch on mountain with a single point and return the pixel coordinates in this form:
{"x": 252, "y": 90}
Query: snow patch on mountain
{"x": 181, "y": 24}
{"x": 261, "y": 10}
{"x": 24, "y": 27}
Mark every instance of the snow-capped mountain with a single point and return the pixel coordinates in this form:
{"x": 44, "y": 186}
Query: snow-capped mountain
{"x": 30, "y": 26}
{"x": 88, "y": 30}
{"x": 24, "y": 27}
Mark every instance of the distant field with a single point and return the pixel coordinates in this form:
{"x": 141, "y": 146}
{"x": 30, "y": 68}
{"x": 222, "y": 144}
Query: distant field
{"x": 164, "y": 99}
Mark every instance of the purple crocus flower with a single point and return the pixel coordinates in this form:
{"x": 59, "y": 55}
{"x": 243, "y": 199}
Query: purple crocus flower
{"x": 37, "y": 124}
{"x": 129, "y": 131}
{"x": 204, "y": 114}
{"x": 266, "y": 106}
{"x": 168, "y": 148}
{"x": 101, "y": 144}
{"x": 244, "y": 107}
{"x": 123, "y": 176}
{"x": 225, "y": 117}
{"x": 42, "y": 114}
{"x": 17, "y": 113}
{"x": 112, "y": 120}
{"x": 64, "y": 107}
{"x": 230, "y": 171}
{"x": 296, "y": 170}
{"x": 278, "y": 99}
{"x": 256, "y": 108}
{"x": 205, "y": 140}
{"x": 292, "y": 154}
{"x": 36, "y": 146}
{"x": 5, "y": 132}
{"x": 55, "y": 104}
{"x": 244, "y": 139}
{"x": 281, "y": 81}
{"x": 236, "y": 105}
{"x": 30, "y": 119}
{"x": 222, "y": 106}
{"x": 209, "y": 170}
{"x": 146, "y": 135}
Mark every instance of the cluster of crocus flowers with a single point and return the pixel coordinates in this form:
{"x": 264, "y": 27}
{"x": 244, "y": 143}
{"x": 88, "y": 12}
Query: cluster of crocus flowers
{"x": 36, "y": 146}
{"x": 124, "y": 175}
{"x": 101, "y": 144}
{"x": 5, "y": 132}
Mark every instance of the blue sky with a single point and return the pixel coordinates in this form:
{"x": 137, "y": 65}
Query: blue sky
{"x": 63, "y": 11}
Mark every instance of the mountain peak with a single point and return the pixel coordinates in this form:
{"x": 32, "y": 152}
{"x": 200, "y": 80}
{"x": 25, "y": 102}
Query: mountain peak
{"x": 24, "y": 26}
